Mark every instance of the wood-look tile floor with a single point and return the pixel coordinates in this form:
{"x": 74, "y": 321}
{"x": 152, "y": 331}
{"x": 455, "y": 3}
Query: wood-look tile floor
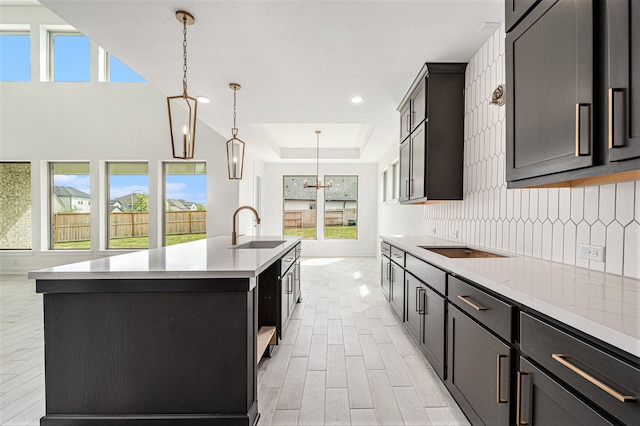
{"x": 345, "y": 359}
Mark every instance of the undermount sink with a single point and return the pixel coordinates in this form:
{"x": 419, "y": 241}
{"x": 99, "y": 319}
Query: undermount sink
{"x": 259, "y": 244}
{"x": 461, "y": 252}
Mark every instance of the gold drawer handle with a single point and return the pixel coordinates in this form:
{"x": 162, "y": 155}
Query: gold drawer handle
{"x": 499, "y": 400}
{"x": 617, "y": 395}
{"x": 519, "y": 421}
{"x": 473, "y": 304}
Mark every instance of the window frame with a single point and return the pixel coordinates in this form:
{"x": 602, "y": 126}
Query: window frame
{"x": 328, "y": 178}
{"x": 51, "y": 234}
{"x": 284, "y": 177}
{"x": 24, "y": 30}
{"x": 51, "y": 32}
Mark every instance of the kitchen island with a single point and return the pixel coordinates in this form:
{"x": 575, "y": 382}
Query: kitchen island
{"x": 163, "y": 336}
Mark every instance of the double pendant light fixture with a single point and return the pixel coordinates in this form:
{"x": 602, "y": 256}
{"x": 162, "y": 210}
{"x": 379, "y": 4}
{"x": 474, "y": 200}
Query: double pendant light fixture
{"x": 183, "y": 109}
{"x": 318, "y": 184}
{"x": 235, "y": 147}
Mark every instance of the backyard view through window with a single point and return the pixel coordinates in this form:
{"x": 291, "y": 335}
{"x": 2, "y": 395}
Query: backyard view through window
{"x": 341, "y": 208}
{"x": 300, "y": 207}
{"x": 128, "y": 205}
{"x": 15, "y": 206}
{"x": 185, "y": 200}
{"x": 70, "y": 206}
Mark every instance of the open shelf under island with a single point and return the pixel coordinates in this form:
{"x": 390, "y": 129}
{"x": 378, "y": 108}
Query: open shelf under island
{"x": 167, "y": 335}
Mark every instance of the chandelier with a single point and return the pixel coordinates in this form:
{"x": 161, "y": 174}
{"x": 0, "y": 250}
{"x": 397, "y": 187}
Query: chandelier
{"x": 318, "y": 184}
{"x": 235, "y": 147}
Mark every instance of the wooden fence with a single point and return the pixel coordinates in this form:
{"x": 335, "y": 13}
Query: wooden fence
{"x": 68, "y": 227}
{"x": 307, "y": 218}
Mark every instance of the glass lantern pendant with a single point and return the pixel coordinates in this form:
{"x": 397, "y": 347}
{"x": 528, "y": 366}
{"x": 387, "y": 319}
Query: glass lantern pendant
{"x": 235, "y": 147}
{"x": 183, "y": 109}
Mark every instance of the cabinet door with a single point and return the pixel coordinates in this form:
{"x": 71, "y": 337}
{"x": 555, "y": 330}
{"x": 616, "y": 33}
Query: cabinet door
{"x": 405, "y": 121}
{"x": 405, "y": 170}
{"x": 550, "y": 63}
{"x": 418, "y": 158}
{"x": 478, "y": 370}
{"x": 385, "y": 275}
{"x": 542, "y": 401}
{"x": 414, "y": 317}
{"x": 419, "y": 105}
{"x": 623, "y": 91}
{"x": 516, "y": 10}
{"x": 433, "y": 330}
{"x": 396, "y": 293}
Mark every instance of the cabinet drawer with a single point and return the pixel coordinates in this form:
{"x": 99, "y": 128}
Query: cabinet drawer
{"x": 600, "y": 377}
{"x": 434, "y": 277}
{"x": 397, "y": 256}
{"x": 287, "y": 261}
{"x": 494, "y": 313}
{"x": 385, "y": 248}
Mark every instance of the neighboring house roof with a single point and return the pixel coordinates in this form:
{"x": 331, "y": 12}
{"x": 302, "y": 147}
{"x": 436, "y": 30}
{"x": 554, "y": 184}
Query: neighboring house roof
{"x": 345, "y": 188}
{"x": 176, "y": 205}
{"x": 68, "y": 191}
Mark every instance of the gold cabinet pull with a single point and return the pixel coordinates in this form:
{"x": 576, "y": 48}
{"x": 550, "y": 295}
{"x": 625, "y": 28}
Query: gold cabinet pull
{"x": 578, "y": 129}
{"x": 611, "y": 115}
{"x": 473, "y": 304}
{"x": 498, "y": 399}
{"x": 424, "y": 301}
{"x": 617, "y": 395}
{"x": 519, "y": 421}
{"x": 408, "y": 122}
{"x": 417, "y": 299}
{"x": 610, "y": 118}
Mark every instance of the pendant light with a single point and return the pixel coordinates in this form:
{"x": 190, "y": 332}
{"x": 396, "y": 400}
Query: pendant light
{"x": 235, "y": 147}
{"x": 183, "y": 109}
{"x": 318, "y": 184}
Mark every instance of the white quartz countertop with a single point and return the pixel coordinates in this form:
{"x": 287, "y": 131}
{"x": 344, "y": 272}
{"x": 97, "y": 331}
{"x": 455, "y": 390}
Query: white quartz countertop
{"x": 207, "y": 258}
{"x": 602, "y": 305}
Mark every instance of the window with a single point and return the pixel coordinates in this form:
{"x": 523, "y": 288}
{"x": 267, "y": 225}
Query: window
{"x": 300, "y": 207}
{"x": 70, "y": 206}
{"x": 395, "y": 180}
{"x": 385, "y": 185}
{"x": 118, "y": 72}
{"x": 69, "y": 55}
{"x": 15, "y": 206}
{"x": 15, "y": 56}
{"x": 128, "y": 217}
{"x": 185, "y": 197}
{"x": 341, "y": 208}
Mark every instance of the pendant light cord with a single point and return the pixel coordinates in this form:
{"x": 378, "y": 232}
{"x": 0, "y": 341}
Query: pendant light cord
{"x": 184, "y": 56}
{"x": 234, "y": 130}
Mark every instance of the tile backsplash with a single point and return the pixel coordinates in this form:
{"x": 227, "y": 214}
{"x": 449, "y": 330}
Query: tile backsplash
{"x": 545, "y": 223}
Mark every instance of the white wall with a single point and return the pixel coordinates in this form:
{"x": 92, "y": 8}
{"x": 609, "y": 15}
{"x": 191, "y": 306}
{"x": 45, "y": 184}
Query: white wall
{"x": 96, "y": 122}
{"x": 365, "y": 245}
{"x": 253, "y": 167}
{"x": 544, "y": 223}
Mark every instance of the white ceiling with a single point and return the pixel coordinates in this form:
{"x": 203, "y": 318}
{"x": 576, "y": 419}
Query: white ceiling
{"x": 299, "y": 62}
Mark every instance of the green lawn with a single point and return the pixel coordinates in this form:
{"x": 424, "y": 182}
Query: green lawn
{"x": 330, "y": 232}
{"x": 132, "y": 243}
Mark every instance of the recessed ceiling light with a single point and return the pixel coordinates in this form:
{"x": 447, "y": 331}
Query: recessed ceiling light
{"x": 203, "y": 99}
{"x": 357, "y": 99}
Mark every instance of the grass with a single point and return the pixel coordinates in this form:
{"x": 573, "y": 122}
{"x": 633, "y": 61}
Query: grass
{"x": 132, "y": 243}
{"x": 330, "y": 233}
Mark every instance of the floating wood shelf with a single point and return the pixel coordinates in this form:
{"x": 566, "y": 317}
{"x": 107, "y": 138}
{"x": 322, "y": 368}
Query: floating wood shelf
{"x": 266, "y": 337}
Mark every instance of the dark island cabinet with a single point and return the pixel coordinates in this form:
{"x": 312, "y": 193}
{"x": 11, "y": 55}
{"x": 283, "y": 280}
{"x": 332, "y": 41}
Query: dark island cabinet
{"x": 542, "y": 401}
{"x": 479, "y": 367}
{"x": 550, "y": 96}
{"x": 432, "y": 135}
{"x": 623, "y": 88}
{"x": 396, "y": 282}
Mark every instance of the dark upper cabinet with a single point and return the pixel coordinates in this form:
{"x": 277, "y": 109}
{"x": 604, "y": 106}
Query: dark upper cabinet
{"x": 431, "y": 154}
{"x": 623, "y": 72}
{"x": 550, "y": 94}
{"x": 573, "y": 97}
{"x": 515, "y": 10}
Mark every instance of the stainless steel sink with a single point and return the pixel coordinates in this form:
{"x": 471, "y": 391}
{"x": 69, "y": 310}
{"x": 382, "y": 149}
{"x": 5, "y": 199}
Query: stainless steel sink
{"x": 258, "y": 244}
{"x": 461, "y": 252}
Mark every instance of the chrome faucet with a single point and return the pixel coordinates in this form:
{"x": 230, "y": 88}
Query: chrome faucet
{"x": 234, "y": 234}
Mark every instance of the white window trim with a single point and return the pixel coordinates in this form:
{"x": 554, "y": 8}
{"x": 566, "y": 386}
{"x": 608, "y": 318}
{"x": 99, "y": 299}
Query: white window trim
{"x": 46, "y": 47}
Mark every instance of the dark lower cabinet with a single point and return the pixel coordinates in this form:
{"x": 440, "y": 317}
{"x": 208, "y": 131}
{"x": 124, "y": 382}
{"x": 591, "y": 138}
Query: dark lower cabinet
{"x": 542, "y": 401}
{"x": 426, "y": 321}
{"x": 397, "y": 290}
{"x": 385, "y": 276}
{"x": 479, "y": 367}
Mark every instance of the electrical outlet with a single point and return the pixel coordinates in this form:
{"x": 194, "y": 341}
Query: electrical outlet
{"x": 590, "y": 252}
{"x": 435, "y": 231}
{"x": 454, "y": 235}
